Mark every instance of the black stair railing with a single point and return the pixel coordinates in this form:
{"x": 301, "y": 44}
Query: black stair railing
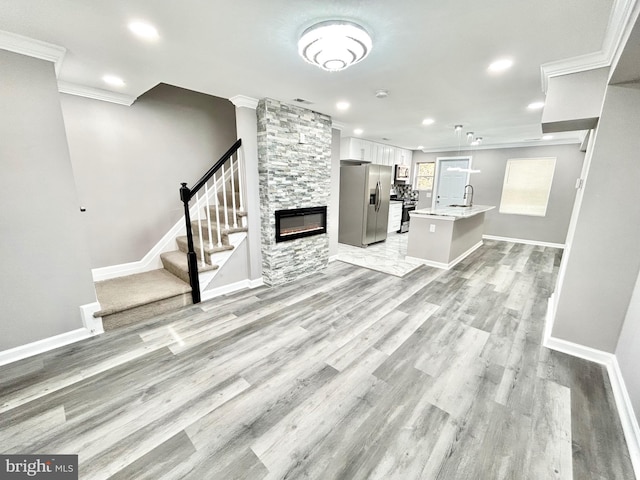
{"x": 186, "y": 194}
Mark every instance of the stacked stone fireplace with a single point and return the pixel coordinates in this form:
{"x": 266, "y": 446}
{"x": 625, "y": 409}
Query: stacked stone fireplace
{"x": 294, "y": 155}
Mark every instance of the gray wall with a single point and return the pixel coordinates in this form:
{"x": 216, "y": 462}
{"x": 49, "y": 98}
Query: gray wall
{"x": 627, "y": 351}
{"x": 602, "y": 264}
{"x": 46, "y": 274}
{"x": 334, "y": 198}
{"x": 129, "y": 162}
{"x": 488, "y": 190}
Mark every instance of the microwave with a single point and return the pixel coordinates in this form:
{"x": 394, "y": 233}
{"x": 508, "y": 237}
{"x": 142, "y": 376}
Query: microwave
{"x": 402, "y": 173}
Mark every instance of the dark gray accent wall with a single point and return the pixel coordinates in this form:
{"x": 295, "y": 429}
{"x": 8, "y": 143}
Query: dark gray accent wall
{"x": 129, "y": 162}
{"x": 602, "y": 263}
{"x": 487, "y": 184}
{"x": 46, "y": 273}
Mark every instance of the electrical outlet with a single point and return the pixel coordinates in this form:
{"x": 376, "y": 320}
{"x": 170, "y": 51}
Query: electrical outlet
{"x": 432, "y": 228}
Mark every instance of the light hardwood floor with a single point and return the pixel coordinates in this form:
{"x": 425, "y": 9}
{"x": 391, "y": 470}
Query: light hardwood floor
{"x": 347, "y": 374}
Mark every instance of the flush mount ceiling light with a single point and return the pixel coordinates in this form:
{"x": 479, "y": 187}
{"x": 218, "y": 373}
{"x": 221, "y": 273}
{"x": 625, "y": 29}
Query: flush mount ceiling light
{"x": 358, "y": 131}
{"x": 342, "y": 105}
{"x": 334, "y": 45}
{"x": 428, "y": 121}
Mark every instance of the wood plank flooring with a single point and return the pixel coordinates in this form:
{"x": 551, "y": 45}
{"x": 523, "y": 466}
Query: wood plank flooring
{"x": 346, "y": 374}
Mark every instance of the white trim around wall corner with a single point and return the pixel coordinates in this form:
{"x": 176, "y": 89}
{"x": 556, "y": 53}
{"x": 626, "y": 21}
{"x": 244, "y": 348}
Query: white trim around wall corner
{"x": 333, "y": 258}
{"x": 620, "y": 393}
{"x": 521, "y": 240}
{"x": 95, "y": 93}
{"x": 33, "y": 48}
{"x": 244, "y": 101}
{"x": 91, "y": 323}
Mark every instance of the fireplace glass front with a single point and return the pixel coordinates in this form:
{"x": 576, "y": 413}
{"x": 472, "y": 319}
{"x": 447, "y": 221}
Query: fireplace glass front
{"x": 300, "y": 222}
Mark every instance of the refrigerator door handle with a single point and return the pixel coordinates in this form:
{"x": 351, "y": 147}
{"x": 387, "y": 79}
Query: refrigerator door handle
{"x": 378, "y": 195}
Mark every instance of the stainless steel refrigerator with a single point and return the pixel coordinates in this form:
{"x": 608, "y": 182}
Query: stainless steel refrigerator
{"x": 364, "y": 204}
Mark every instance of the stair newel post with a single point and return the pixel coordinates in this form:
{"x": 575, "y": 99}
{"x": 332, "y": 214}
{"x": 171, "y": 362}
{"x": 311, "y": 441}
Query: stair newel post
{"x": 192, "y": 259}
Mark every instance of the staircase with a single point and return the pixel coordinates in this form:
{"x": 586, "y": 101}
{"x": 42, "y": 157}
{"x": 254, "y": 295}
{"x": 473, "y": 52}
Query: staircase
{"x": 219, "y": 213}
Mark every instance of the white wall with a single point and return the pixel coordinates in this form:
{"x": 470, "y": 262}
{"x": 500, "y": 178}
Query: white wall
{"x": 487, "y": 184}
{"x": 46, "y": 273}
{"x": 129, "y": 162}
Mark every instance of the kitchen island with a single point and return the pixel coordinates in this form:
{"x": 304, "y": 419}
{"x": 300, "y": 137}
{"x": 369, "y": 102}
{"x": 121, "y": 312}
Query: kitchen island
{"x": 442, "y": 237}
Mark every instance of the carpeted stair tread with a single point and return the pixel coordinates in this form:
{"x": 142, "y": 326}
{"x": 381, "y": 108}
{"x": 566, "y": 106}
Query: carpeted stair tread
{"x": 123, "y": 293}
{"x": 176, "y": 263}
{"x": 182, "y": 245}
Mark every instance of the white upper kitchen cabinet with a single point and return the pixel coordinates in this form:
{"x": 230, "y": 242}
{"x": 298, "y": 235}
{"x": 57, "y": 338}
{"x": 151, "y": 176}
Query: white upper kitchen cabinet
{"x": 350, "y": 149}
{"x": 403, "y": 156}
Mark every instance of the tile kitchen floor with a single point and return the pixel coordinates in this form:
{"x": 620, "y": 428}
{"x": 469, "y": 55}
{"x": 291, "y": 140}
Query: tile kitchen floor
{"x": 386, "y": 257}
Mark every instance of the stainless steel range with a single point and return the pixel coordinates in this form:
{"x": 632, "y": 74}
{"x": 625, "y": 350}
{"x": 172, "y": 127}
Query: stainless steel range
{"x": 407, "y": 206}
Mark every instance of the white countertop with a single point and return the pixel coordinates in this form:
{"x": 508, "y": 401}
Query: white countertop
{"x": 450, "y": 213}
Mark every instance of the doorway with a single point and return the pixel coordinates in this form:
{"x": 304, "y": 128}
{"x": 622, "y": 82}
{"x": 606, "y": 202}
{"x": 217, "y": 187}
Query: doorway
{"x": 452, "y": 174}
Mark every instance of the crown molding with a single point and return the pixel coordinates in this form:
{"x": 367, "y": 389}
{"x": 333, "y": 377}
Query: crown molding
{"x": 244, "y": 101}
{"x": 536, "y": 143}
{"x": 33, "y": 48}
{"x": 95, "y": 93}
{"x": 620, "y": 24}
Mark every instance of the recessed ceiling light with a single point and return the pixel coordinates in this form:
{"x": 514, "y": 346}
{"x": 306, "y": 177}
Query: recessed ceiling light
{"x": 547, "y": 137}
{"x": 113, "y": 81}
{"x": 428, "y": 121}
{"x": 358, "y": 131}
{"x": 420, "y": 147}
{"x": 342, "y": 105}
{"x": 501, "y": 65}
{"x": 143, "y": 30}
{"x": 535, "y": 105}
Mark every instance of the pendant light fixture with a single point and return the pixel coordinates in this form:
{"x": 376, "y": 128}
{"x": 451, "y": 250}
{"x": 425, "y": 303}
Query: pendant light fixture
{"x": 334, "y": 45}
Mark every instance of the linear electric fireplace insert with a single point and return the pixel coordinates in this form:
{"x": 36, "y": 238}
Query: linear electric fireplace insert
{"x": 300, "y": 222}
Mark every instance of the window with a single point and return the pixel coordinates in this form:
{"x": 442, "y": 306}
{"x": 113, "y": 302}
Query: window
{"x": 527, "y": 184}
{"x": 424, "y": 176}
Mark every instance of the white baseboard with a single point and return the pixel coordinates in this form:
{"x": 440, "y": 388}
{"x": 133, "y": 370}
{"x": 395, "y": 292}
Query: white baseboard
{"x": 445, "y": 266}
{"x": 232, "y": 287}
{"x": 620, "y": 393}
{"x": 44, "y": 345}
{"x": 526, "y": 242}
{"x": 333, "y": 258}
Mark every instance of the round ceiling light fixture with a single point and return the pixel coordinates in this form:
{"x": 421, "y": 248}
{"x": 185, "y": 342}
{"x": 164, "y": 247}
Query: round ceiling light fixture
{"x": 334, "y": 45}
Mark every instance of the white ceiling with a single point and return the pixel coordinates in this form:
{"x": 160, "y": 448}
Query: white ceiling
{"x": 431, "y": 56}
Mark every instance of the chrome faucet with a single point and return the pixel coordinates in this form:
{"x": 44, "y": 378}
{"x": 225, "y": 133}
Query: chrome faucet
{"x": 470, "y": 202}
